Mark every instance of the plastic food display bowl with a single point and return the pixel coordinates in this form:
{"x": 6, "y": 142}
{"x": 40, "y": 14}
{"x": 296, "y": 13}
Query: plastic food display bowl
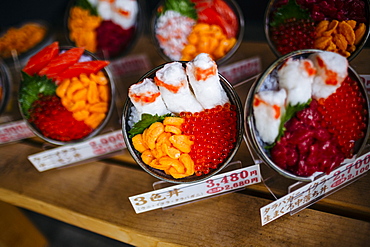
{"x": 271, "y": 7}
{"x": 234, "y": 100}
{"x": 97, "y": 130}
{"x": 138, "y": 28}
{"x": 5, "y": 78}
{"x": 239, "y": 37}
{"x": 249, "y": 122}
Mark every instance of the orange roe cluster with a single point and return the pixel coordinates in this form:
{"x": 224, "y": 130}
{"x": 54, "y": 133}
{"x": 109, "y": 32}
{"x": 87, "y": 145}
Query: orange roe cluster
{"x": 214, "y": 132}
{"x": 345, "y": 115}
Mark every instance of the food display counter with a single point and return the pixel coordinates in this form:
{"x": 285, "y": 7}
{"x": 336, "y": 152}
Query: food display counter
{"x": 94, "y": 195}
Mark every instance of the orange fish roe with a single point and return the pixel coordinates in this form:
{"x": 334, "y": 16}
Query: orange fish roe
{"x": 214, "y": 132}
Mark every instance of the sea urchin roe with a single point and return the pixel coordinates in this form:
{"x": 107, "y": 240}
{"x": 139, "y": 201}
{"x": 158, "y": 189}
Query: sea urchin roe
{"x": 55, "y": 121}
{"x": 345, "y": 115}
{"x": 214, "y": 134}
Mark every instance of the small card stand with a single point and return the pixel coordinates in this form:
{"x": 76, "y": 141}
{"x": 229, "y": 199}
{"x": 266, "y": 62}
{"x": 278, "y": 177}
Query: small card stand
{"x": 230, "y": 167}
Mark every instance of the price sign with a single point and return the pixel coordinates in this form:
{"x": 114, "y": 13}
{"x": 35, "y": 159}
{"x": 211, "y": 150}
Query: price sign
{"x": 14, "y": 131}
{"x": 318, "y": 189}
{"x": 179, "y": 194}
{"x": 70, "y": 154}
{"x": 241, "y": 70}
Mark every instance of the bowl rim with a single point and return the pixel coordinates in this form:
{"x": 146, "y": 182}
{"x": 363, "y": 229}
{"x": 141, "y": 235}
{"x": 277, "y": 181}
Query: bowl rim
{"x": 233, "y": 97}
{"x": 239, "y": 38}
{"x": 249, "y": 125}
{"x": 5, "y": 81}
{"x": 97, "y": 130}
{"x": 277, "y": 53}
{"x": 139, "y": 26}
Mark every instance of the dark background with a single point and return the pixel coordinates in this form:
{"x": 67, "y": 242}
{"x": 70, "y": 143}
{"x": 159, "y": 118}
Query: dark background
{"x": 14, "y": 12}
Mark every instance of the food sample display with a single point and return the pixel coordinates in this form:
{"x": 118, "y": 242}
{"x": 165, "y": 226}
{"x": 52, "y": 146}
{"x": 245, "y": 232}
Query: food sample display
{"x": 21, "y": 39}
{"x": 308, "y": 113}
{"x": 106, "y": 28}
{"x": 183, "y": 29}
{"x": 339, "y": 26}
{"x": 182, "y": 122}
{"x": 65, "y": 94}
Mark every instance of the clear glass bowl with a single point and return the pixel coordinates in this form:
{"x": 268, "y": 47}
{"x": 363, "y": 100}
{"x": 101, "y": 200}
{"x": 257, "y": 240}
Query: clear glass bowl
{"x": 5, "y": 82}
{"x": 249, "y": 122}
{"x": 234, "y": 100}
{"x": 239, "y": 37}
{"x": 100, "y": 127}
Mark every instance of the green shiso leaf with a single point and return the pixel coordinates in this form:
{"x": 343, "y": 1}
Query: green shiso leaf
{"x": 288, "y": 11}
{"x": 31, "y": 88}
{"x": 290, "y": 112}
{"x": 85, "y": 4}
{"x": 145, "y": 122}
{"x": 184, "y": 7}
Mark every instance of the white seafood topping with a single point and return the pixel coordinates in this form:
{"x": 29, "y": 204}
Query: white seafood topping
{"x": 296, "y": 77}
{"x": 332, "y": 69}
{"x": 268, "y": 107}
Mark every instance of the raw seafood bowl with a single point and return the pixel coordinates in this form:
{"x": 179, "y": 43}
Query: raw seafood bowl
{"x": 109, "y": 29}
{"x": 339, "y": 26}
{"x": 69, "y": 98}
{"x": 161, "y": 174}
{"x": 265, "y": 151}
{"x": 213, "y": 27}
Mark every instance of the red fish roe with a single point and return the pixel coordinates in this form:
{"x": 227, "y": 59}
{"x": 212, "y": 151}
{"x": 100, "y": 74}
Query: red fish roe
{"x": 293, "y": 35}
{"x": 345, "y": 115}
{"x": 55, "y": 121}
{"x": 214, "y": 134}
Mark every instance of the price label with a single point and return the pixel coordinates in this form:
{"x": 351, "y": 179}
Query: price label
{"x": 70, "y": 154}
{"x": 318, "y": 189}
{"x": 179, "y": 194}
{"x": 14, "y": 131}
{"x": 241, "y": 70}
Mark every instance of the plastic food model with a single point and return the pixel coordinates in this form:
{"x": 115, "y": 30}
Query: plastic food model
{"x": 182, "y": 121}
{"x": 339, "y": 26}
{"x": 186, "y": 28}
{"x": 64, "y": 93}
{"x": 309, "y": 113}
{"x": 102, "y": 26}
{"x": 21, "y": 39}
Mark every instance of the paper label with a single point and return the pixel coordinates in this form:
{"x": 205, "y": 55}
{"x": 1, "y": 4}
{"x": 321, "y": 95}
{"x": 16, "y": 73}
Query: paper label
{"x": 70, "y": 154}
{"x": 315, "y": 190}
{"x": 179, "y": 194}
{"x": 241, "y": 70}
{"x": 131, "y": 65}
{"x": 14, "y": 131}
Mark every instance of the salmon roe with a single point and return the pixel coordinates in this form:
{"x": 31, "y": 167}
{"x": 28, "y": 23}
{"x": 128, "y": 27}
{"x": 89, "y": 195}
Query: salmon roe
{"x": 214, "y": 132}
{"x": 55, "y": 121}
{"x": 345, "y": 115}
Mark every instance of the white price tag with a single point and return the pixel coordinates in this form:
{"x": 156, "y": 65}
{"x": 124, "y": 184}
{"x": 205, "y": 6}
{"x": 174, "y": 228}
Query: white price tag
{"x": 241, "y": 70}
{"x": 69, "y": 154}
{"x": 14, "y": 131}
{"x": 315, "y": 190}
{"x": 179, "y": 194}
